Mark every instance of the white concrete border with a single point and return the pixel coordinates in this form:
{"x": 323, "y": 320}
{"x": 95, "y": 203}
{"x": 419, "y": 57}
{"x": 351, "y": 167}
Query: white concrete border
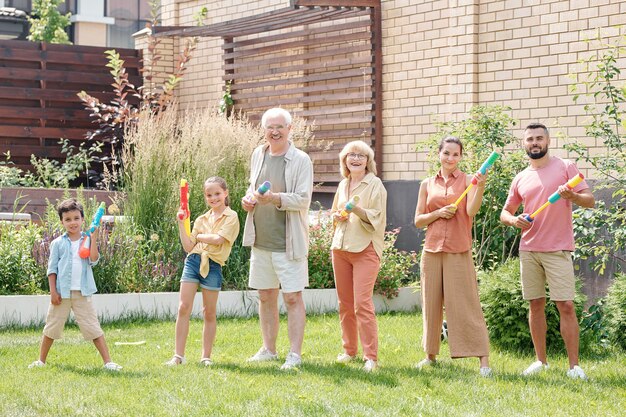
{"x": 25, "y": 310}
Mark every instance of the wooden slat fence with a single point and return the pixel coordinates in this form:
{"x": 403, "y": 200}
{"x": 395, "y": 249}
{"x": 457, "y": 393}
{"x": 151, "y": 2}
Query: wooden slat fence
{"x": 38, "y": 102}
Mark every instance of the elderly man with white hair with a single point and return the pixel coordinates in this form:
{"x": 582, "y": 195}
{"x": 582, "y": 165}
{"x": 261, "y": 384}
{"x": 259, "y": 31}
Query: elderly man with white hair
{"x": 277, "y": 229}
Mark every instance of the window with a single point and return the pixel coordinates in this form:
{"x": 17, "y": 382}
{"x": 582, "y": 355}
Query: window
{"x": 130, "y": 17}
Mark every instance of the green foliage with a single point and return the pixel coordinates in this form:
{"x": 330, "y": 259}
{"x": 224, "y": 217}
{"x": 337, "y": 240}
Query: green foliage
{"x": 226, "y": 102}
{"x": 19, "y": 273}
{"x": 396, "y": 268}
{"x": 320, "y": 259}
{"x": 600, "y": 232}
{"x": 50, "y": 173}
{"x": 47, "y": 23}
{"x": 593, "y": 329}
{"x": 506, "y": 312}
{"x": 487, "y": 129}
{"x": 615, "y": 308}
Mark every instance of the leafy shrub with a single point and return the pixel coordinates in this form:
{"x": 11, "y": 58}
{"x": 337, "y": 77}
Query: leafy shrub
{"x": 506, "y": 312}
{"x": 600, "y": 232}
{"x": 487, "y": 129}
{"x": 396, "y": 268}
{"x": 320, "y": 258}
{"x": 19, "y": 272}
{"x": 615, "y": 308}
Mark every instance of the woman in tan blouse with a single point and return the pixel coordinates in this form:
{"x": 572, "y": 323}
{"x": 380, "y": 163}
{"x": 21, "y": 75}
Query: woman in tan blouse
{"x": 357, "y": 249}
{"x": 448, "y": 276}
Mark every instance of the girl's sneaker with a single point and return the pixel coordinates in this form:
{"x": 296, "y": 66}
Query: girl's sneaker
{"x": 176, "y": 360}
{"x": 36, "y": 364}
{"x": 112, "y": 366}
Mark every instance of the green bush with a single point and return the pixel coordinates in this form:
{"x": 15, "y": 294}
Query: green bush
{"x": 19, "y": 271}
{"x": 320, "y": 259}
{"x": 506, "y": 312}
{"x": 615, "y": 309}
{"x": 396, "y": 269}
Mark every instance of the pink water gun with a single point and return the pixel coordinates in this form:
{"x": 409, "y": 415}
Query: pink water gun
{"x": 556, "y": 196}
{"x": 184, "y": 206}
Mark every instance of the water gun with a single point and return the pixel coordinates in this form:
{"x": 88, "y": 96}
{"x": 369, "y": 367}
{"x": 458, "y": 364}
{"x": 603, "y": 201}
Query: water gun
{"x": 483, "y": 169}
{"x": 263, "y": 188}
{"x": 556, "y": 196}
{"x": 350, "y": 205}
{"x": 85, "y": 248}
{"x": 184, "y": 205}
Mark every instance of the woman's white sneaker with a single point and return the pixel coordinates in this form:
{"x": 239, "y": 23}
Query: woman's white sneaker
{"x": 577, "y": 373}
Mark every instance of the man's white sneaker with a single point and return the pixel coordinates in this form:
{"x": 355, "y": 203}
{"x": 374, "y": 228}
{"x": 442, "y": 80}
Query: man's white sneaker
{"x": 292, "y": 361}
{"x": 36, "y": 364}
{"x": 370, "y": 365}
{"x": 112, "y": 366}
{"x": 344, "y": 358}
{"x": 263, "y": 355}
{"x": 486, "y": 372}
{"x": 577, "y": 373}
{"x": 535, "y": 368}
{"x": 424, "y": 363}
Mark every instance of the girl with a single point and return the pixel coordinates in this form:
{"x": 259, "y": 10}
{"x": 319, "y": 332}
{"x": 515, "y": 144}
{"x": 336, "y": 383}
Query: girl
{"x": 448, "y": 277}
{"x": 208, "y": 246}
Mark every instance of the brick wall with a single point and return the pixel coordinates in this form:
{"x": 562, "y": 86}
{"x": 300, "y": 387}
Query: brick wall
{"x": 441, "y": 57}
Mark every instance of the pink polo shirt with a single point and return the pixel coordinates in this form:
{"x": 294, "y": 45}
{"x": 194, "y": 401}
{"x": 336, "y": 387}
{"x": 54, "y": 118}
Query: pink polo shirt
{"x": 552, "y": 229}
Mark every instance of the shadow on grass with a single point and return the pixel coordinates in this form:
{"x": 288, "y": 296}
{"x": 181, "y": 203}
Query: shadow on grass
{"x": 337, "y": 373}
{"x": 99, "y": 371}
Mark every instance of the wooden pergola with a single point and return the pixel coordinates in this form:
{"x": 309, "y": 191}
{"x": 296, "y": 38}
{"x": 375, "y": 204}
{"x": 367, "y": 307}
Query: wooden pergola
{"x": 320, "y": 59}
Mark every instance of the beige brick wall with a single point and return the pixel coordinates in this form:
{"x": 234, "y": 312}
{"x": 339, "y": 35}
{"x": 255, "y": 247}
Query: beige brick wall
{"x": 441, "y": 57}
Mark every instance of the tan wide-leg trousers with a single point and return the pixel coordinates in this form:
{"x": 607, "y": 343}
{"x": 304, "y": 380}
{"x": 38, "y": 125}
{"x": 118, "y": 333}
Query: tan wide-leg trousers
{"x": 449, "y": 279}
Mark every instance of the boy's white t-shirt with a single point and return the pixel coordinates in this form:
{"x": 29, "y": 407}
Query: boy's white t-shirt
{"x": 77, "y": 267}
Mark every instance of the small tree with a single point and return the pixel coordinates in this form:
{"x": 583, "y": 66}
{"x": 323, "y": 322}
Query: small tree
{"x": 601, "y": 233}
{"x": 47, "y": 24}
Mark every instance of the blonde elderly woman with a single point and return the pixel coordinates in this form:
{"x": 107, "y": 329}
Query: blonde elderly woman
{"x": 357, "y": 249}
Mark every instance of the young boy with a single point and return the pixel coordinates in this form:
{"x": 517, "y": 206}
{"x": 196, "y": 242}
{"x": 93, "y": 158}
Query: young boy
{"x": 71, "y": 286}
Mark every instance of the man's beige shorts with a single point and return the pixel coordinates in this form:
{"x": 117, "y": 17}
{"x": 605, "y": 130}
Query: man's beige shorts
{"x": 84, "y": 314}
{"x": 269, "y": 270}
{"x": 556, "y": 268}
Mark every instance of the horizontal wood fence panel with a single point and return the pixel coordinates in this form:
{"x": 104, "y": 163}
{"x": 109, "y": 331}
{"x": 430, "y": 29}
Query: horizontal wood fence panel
{"x": 326, "y": 87}
{"x": 325, "y": 76}
{"x": 39, "y": 105}
{"x": 337, "y": 50}
{"x": 306, "y": 99}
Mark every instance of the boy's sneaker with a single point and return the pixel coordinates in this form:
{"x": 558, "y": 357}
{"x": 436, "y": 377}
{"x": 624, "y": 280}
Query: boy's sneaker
{"x": 577, "y": 373}
{"x": 370, "y": 365}
{"x": 112, "y": 366}
{"x": 535, "y": 368}
{"x": 292, "y": 361}
{"x": 424, "y": 363}
{"x": 486, "y": 372}
{"x": 36, "y": 364}
{"x": 344, "y": 358}
{"x": 263, "y": 355}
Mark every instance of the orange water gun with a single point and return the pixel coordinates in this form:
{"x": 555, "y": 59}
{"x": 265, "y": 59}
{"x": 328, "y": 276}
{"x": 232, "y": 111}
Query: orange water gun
{"x": 350, "y": 205}
{"x": 556, "y": 196}
{"x": 184, "y": 205}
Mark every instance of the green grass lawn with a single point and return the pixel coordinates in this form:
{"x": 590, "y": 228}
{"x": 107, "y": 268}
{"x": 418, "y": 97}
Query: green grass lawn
{"x": 74, "y": 383}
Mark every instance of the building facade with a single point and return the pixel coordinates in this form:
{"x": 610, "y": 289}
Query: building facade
{"x": 440, "y": 58}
